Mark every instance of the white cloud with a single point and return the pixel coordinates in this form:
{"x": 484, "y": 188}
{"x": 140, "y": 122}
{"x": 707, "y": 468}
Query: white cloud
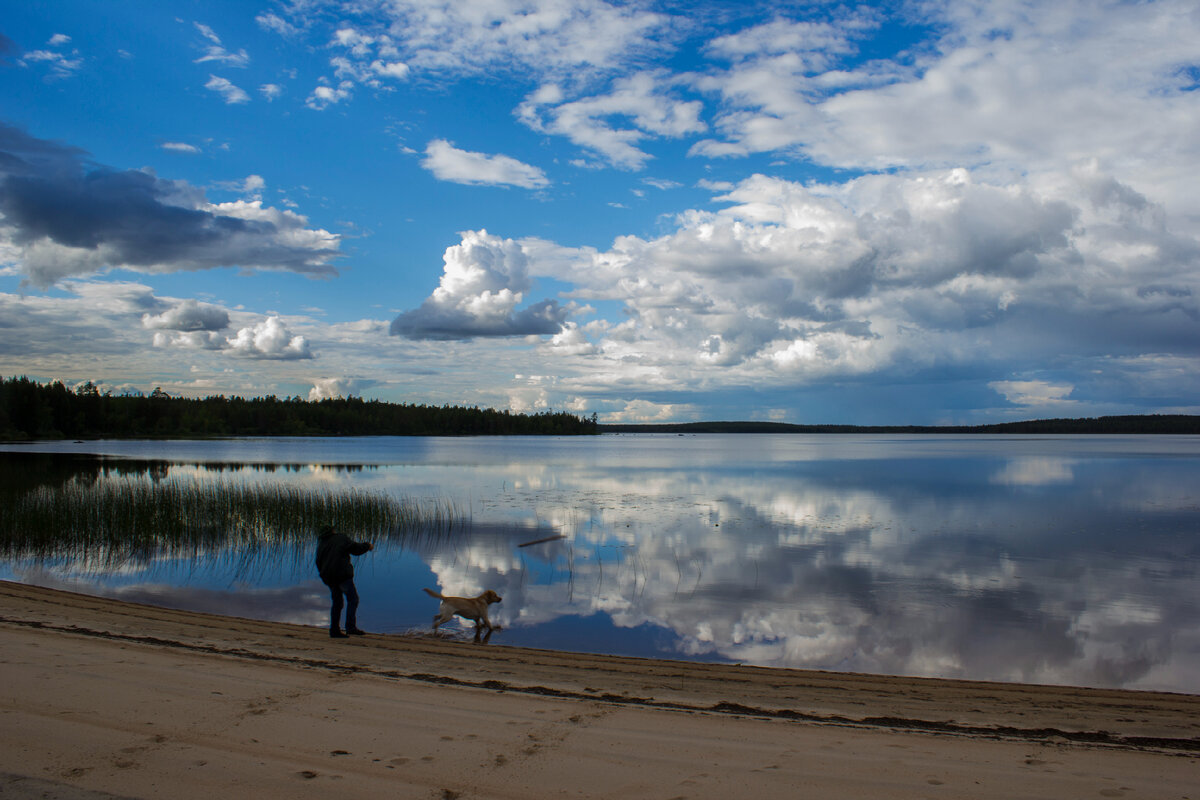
{"x": 250, "y": 187}
{"x": 58, "y": 40}
{"x": 448, "y": 163}
{"x": 270, "y": 91}
{"x": 1014, "y": 93}
{"x": 273, "y": 22}
{"x": 334, "y": 388}
{"x": 794, "y": 284}
{"x": 59, "y": 64}
{"x": 269, "y": 339}
{"x": 180, "y": 147}
{"x": 231, "y": 94}
{"x": 642, "y": 98}
{"x": 661, "y": 183}
{"x": 215, "y": 51}
{"x": 390, "y": 69}
{"x": 367, "y": 59}
{"x": 1033, "y": 393}
{"x": 645, "y": 411}
{"x": 571, "y": 340}
{"x": 324, "y": 96}
{"x": 484, "y": 282}
{"x": 189, "y": 340}
{"x": 547, "y": 36}
{"x": 815, "y": 45}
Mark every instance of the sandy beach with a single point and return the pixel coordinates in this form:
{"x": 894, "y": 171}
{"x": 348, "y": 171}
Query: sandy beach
{"x": 102, "y": 698}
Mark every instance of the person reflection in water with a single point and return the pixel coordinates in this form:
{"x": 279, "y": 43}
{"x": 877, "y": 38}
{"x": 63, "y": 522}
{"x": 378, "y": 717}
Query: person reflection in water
{"x": 333, "y": 564}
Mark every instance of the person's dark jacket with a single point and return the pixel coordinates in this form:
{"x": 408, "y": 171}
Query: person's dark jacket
{"x": 333, "y": 556}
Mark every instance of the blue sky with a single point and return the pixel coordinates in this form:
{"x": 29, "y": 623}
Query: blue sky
{"x": 925, "y": 212}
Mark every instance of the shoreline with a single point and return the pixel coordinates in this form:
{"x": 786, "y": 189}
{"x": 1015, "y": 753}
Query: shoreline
{"x": 672, "y": 705}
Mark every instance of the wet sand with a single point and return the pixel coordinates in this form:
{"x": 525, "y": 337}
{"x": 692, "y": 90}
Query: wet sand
{"x": 101, "y": 698}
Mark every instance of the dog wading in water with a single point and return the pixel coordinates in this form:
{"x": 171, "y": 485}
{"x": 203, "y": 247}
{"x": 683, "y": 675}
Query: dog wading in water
{"x": 472, "y": 608}
{"x": 333, "y": 564}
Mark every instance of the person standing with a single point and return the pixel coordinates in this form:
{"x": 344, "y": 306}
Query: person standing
{"x": 333, "y": 564}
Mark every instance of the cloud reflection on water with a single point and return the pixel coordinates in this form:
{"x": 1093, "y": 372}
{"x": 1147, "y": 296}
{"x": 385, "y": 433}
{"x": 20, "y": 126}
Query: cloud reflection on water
{"x": 1000, "y": 561}
{"x": 929, "y": 569}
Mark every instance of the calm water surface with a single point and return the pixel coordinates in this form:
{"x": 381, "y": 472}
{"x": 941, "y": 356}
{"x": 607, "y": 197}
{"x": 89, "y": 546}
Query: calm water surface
{"x": 1050, "y": 559}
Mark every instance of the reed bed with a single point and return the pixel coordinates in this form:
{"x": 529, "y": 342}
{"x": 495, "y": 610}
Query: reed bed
{"x": 114, "y": 522}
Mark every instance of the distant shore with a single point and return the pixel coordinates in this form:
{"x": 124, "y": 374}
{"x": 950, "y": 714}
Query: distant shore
{"x": 1177, "y": 424}
{"x": 137, "y": 701}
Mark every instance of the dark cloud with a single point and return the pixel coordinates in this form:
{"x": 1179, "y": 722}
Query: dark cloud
{"x": 189, "y": 315}
{"x": 67, "y": 217}
{"x": 434, "y": 321}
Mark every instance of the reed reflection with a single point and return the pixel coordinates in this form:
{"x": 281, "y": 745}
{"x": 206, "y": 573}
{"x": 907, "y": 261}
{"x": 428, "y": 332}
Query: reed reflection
{"x": 107, "y": 516}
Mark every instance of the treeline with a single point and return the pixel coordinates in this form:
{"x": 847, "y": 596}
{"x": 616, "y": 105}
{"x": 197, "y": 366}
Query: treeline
{"x": 32, "y": 410}
{"x": 1147, "y": 423}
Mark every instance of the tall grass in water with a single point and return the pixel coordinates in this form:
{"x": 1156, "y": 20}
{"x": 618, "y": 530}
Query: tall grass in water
{"x": 113, "y": 523}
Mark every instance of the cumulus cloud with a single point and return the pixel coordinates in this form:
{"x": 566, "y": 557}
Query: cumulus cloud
{"x": 880, "y": 276}
{"x": 484, "y": 281}
{"x": 63, "y": 217}
{"x": 324, "y": 96}
{"x": 448, "y": 163}
{"x": 334, "y": 388}
{"x": 269, "y": 339}
{"x": 189, "y": 340}
{"x": 179, "y": 147}
{"x": 193, "y": 325}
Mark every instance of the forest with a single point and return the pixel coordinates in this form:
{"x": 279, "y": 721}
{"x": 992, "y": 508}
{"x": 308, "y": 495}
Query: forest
{"x": 33, "y": 410}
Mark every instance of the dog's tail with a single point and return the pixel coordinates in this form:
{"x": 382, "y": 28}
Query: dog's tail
{"x": 432, "y": 593}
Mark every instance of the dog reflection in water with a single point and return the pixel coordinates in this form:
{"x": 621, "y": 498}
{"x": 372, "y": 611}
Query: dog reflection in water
{"x": 472, "y": 608}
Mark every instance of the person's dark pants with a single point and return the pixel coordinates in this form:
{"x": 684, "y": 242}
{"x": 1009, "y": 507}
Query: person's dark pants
{"x": 345, "y": 594}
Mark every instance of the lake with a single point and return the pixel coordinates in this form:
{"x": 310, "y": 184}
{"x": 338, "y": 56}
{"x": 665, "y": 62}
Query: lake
{"x": 1044, "y": 559}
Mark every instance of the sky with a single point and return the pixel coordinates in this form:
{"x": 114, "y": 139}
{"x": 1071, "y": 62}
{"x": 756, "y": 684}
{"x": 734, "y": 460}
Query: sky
{"x": 891, "y": 213}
